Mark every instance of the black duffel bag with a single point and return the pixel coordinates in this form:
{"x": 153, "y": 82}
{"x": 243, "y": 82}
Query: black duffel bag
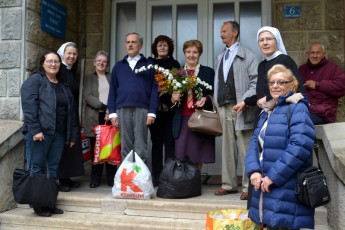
{"x": 179, "y": 179}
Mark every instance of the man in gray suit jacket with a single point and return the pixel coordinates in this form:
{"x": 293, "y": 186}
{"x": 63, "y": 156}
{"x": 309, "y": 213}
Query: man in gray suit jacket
{"x": 235, "y": 82}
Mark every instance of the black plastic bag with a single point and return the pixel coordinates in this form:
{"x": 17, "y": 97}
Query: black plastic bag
{"x": 179, "y": 179}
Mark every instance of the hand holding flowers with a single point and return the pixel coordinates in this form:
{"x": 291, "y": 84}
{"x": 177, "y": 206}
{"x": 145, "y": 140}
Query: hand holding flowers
{"x": 176, "y": 80}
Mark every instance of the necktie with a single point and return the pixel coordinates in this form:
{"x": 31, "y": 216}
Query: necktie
{"x": 227, "y": 54}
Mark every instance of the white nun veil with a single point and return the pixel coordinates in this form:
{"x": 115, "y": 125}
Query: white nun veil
{"x": 275, "y": 32}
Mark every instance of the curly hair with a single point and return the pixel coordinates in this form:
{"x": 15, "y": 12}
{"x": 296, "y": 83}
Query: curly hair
{"x": 162, "y": 38}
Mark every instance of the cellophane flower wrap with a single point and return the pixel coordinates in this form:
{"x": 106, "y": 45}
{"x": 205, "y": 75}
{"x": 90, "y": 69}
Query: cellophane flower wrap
{"x": 176, "y": 80}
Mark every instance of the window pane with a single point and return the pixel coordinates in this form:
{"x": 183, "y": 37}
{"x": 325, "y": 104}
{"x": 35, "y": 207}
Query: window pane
{"x": 161, "y": 21}
{"x": 221, "y": 12}
{"x": 187, "y": 27}
{"x": 125, "y": 23}
{"x": 250, "y": 19}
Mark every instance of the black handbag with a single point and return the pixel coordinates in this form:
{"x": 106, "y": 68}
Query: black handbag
{"x": 34, "y": 188}
{"x": 311, "y": 188}
{"x": 205, "y": 121}
{"x": 179, "y": 179}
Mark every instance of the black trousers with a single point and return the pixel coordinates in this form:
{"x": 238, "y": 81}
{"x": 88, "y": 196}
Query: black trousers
{"x": 162, "y": 141}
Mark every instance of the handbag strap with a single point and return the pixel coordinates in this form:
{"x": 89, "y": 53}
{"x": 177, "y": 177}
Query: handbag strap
{"x": 213, "y": 107}
{"x": 315, "y": 147}
{"x": 31, "y": 164}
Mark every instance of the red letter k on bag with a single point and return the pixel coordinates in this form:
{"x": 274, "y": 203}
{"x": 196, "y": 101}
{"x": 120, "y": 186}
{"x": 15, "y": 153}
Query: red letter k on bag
{"x": 127, "y": 180}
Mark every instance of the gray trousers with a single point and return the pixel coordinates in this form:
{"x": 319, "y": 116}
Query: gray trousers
{"x": 133, "y": 131}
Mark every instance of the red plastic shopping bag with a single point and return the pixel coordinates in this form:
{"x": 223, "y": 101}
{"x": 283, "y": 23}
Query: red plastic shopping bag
{"x": 85, "y": 144}
{"x": 133, "y": 179}
{"x": 107, "y": 145}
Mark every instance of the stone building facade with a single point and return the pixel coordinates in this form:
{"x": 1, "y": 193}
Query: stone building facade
{"x": 22, "y": 41}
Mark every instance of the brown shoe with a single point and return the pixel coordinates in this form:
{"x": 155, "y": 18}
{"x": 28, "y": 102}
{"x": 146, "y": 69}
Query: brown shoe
{"x": 244, "y": 196}
{"x": 221, "y": 191}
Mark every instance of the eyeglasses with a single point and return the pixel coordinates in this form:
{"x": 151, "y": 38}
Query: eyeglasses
{"x": 279, "y": 83}
{"x": 262, "y": 40}
{"x": 101, "y": 61}
{"x": 162, "y": 46}
{"x": 50, "y": 62}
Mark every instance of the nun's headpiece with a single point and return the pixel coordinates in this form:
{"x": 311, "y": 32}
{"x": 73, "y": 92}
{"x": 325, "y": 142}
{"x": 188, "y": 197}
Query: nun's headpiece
{"x": 275, "y": 32}
{"x": 62, "y": 48}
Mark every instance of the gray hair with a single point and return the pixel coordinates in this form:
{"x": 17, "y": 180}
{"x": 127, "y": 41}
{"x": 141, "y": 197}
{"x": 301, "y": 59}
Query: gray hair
{"x": 141, "y": 40}
{"x": 101, "y": 53}
{"x": 317, "y": 43}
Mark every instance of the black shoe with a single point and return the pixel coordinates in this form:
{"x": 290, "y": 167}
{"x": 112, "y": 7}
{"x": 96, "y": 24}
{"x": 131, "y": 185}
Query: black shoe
{"x": 42, "y": 212}
{"x": 71, "y": 183}
{"x": 55, "y": 210}
{"x": 94, "y": 185}
{"x": 64, "y": 188}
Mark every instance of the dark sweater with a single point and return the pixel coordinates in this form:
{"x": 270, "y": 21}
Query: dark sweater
{"x": 166, "y": 63}
{"x": 128, "y": 88}
{"x": 262, "y": 88}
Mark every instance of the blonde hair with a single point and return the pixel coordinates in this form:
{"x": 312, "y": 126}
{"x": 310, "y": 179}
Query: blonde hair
{"x": 282, "y": 69}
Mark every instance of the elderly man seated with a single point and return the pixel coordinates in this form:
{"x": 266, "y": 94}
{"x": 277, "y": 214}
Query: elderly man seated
{"x": 324, "y": 83}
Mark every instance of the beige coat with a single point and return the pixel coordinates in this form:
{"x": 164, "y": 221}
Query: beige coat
{"x": 91, "y": 103}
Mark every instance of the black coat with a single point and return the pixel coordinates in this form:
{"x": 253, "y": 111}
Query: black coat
{"x": 72, "y": 163}
{"x": 39, "y": 107}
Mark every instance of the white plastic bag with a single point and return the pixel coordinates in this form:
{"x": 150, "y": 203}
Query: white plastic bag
{"x": 133, "y": 179}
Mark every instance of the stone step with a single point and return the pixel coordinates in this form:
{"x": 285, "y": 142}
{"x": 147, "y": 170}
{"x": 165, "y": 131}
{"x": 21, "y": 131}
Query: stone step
{"x": 87, "y": 208}
{"x": 24, "y": 218}
{"x": 192, "y": 208}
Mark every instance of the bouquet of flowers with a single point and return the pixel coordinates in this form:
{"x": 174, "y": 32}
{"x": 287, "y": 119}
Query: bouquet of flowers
{"x": 176, "y": 80}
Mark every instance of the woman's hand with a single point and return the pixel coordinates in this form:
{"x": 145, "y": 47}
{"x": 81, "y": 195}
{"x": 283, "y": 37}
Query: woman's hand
{"x": 106, "y": 118}
{"x": 266, "y": 183}
{"x": 38, "y": 137}
{"x": 201, "y": 102}
{"x": 71, "y": 144}
{"x": 175, "y": 97}
{"x": 255, "y": 180}
{"x": 261, "y": 101}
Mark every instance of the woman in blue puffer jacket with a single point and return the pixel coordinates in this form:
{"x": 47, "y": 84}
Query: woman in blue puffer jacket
{"x": 281, "y": 146}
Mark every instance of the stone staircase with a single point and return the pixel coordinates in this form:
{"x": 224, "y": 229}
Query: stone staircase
{"x": 87, "y": 208}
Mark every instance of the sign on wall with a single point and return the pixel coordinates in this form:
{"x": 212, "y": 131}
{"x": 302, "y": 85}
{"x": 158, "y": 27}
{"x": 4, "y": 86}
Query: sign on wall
{"x": 292, "y": 11}
{"x": 53, "y": 18}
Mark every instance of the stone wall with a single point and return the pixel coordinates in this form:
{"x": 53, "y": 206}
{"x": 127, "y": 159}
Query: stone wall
{"x": 95, "y": 41}
{"x": 320, "y": 20}
{"x": 11, "y": 43}
{"x": 22, "y": 42}
{"x": 11, "y": 157}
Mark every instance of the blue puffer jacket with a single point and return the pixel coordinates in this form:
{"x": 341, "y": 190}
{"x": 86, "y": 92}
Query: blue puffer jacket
{"x": 287, "y": 151}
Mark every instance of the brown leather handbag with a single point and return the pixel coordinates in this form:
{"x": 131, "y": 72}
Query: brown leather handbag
{"x": 205, "y": 121}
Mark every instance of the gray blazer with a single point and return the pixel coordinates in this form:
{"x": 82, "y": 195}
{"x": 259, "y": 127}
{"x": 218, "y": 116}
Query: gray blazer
{"x": 91, "y": 103}
{"x": 245, "y": 66}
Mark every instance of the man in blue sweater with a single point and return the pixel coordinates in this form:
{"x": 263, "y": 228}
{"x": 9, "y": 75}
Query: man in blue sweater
{"x": 133, "y": 98}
